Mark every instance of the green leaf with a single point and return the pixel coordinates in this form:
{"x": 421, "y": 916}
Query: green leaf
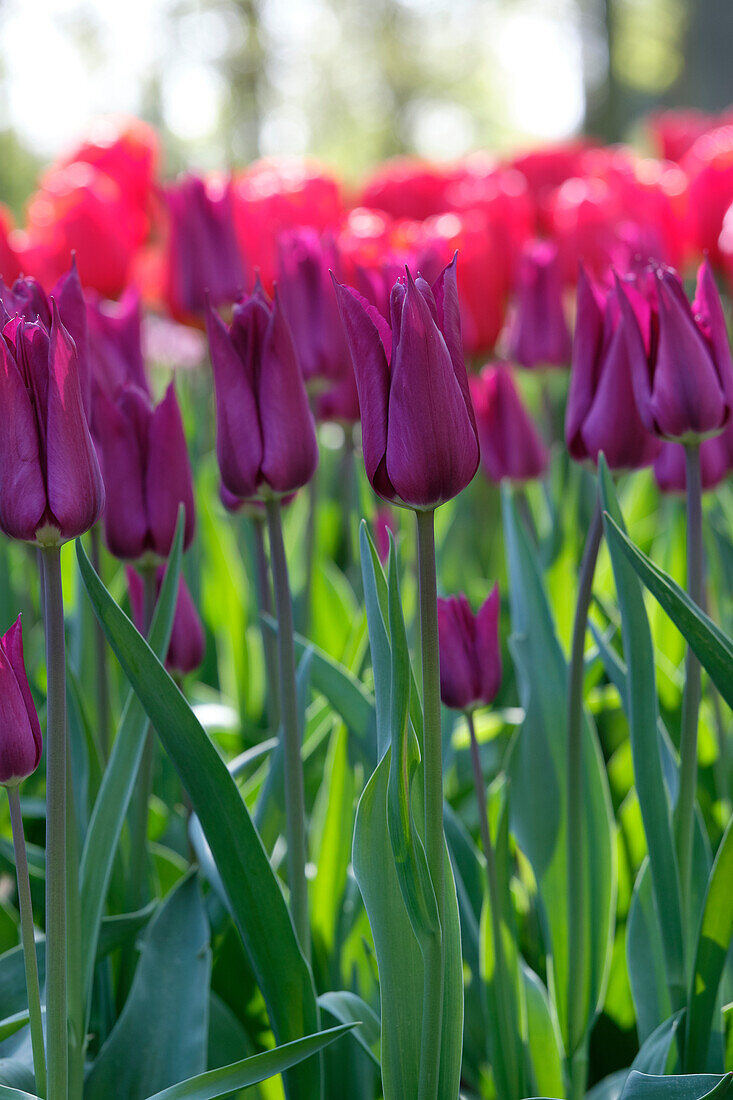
{"x": 13, "y": 1023}
{"x": 655, "y": 1051}
{"x": 347, "y": 1008}
{"x": 334, "y": 849}
{"x": 712, "y": 647}
{"x": 118, "y": 781}
{"x": 697, "y": 1086}
{"x": 255, "y": 898}
{"x": 645, "y": 958}
{"x": 643, "y": 716}
{"x": 714, "y": 940}
{"x": 537, "y": 770}
{"x": 543, "y": 1036}
{"x": 161, "y": 1035}
{"x": 375, "y": 597}
{"x": 220, "y": 1082}
{"x": 7, "y": 1093}
{"x": 116, "y": 931}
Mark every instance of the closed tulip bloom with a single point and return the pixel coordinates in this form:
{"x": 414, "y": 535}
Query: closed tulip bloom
{"x": 681, "y": 366}
{"x": 470, "y": 657}
{"x": 187, "y": 644}
{"x": 203, "y": 255}
{"x": 20, "y": 732}
{"x": 419, "y": 432}
{"x": 511, "y": 446}
{"x": 115, "y": 342}
{"x": 146, "y": 469}
{"x": 538, "y": 332}
{"x": 265, "y": 435}
{"x": 50, "y": 484}
{"x": 601, "y": 413}
{"x": 669, "y": 468}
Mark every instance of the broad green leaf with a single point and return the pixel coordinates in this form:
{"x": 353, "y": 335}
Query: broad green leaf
{"x": 348, "y": 1008}
{"x": 544, "y": 1042}
{"x": 654, "y": 1053}
{"x": 537, "y": 771}
{"x": 375, "y": 596}
{"x": 643, "y": 716}
{"x": 716, "y": 933}
{"x": 253, "y": 891}
{"x": 116, "y": 931}
{"x": 250, "y": 1071}
{"x": 712, "y": 647}
{"x": 645, "y": 958}
{"x": 334, "y": 848}
{"x": 696, "y": 1086}
{"x": 8, "y": 1093}
{"x": 13, "y": 1023}
{"x": 118, "y": 781}
{"x": 161, "y": 1034}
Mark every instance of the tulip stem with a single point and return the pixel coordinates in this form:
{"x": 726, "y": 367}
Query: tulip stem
{"x": 269, "y": 642}
{"x": 56, "y": 1003}
{"x": 432, "y": 1020}
{"x": 691, "y": 697}
{"x": 103, "y": 715}
{"x": 292, "y": 757}
{"x": 575, "y": 824}
{"x": 29, "y": 942}
{"x": 144, "y": 786}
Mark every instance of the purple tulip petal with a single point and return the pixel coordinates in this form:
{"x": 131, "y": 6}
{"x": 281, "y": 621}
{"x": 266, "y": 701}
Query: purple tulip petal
{"x": 12, "y": 643}
{"x": 488, "y": 651}
{"x": 168, "y": 481}
{"x": 122, "y": 461}
{"x": 22, "y": 490}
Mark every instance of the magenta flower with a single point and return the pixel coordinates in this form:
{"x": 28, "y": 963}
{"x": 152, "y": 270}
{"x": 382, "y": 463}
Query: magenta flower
{"x": 670, "y": 471}
{"x": 511, "y": 446}
{"x": 20, "y": 733}
{"x": 419, "y": 433}
{"x": 115, "y": 342}
{"x": 203, "y": 255}
{"x": 50, "y": 485}
{"x": 265, "y": 435}
{"x": 538, "y": 332}
{"x": 470, "y": 657}
{"x": 147, "y": 473}
{"x": 187, "y": 644}
{"x": 680, "y": 358}
{"x": 601, "y": 413}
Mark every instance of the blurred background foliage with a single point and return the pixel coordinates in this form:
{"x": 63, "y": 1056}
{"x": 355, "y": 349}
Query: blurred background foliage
{"x": 349, "y": 81}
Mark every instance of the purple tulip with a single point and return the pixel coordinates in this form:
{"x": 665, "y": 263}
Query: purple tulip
{"x": 203, "y": 255}
{"x": 265, "y": 434}
{"x": 20, "y": 732}
{"x": 538, "y": 332}
{"x": 187, "y": 644}
{"x": 601, "y": 413}
{"x": 115, "y": 342}
{"x": 670, "y": 472}
{"x": 680, "y": 357}
{"x": 147, "y": 473}
{"x": 50, "y": 485}
{"x": 419, "y": 433}
{"x": 470, "y": 657}
{"x": 341, "y": 402}
{"x": 309, "y": 304}
{"x": 511, "y": 446}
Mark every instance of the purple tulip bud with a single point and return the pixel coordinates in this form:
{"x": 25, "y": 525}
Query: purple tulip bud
{"x": 309, "y": 304}
{"x": 670, "y": 471}
{"x": 187, "y": 644}
{"x": 265, "y": 434}
{"x": 470, "y": 657}
{"x": 538, "y": 332}
{"x": 203, "y": 255}
{"x": 419, "y": 433}
{"x": 115, "y": 342}
{"x": 341, "y": 402}
{"x": 511, "y": 446}
{"x": 50, "y": 485}
{"x": 20, "y": 732}
{"x": 147, "y": 473}
{"x": 601, "y": 413}
{"x": 681, "y": 363}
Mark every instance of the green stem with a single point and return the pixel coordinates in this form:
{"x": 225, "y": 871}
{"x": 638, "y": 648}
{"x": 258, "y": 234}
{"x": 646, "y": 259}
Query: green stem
{"x": 56, "y": 1006}
{"x": 292, "y": 757}
{"x": 432, "y": 1020}
{"x": 144, "y": 786}
{"x": 269, "y": 642}
{"x": 29, "y": 942}
{"x": 74, "y": 970}
{"x": 311, "y": 533}
{"x": 103, "y": 708}
{"x": 575, "y": 853}
{"x": 691, "y": 697}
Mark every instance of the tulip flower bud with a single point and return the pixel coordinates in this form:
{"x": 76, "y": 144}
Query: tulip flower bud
{"x": 50, "y": 485}
{"x": 538, "y": 332}
{"x": 511, "y": 446}
{"x": 681, "y": 364}
{"x": 147, "y": 473}
{"x": 20, "y": 732}
{"x": 601, "y": 413}
{"x": 418, "y": 428}
{"x": 670, "y": 471}
{"x": 470, "y": 657}
{"x": 187, "y": 644}
{"x": 203, "y": 256}
{"x": 115, "y": 342}
{"x": 265, "y": 435}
